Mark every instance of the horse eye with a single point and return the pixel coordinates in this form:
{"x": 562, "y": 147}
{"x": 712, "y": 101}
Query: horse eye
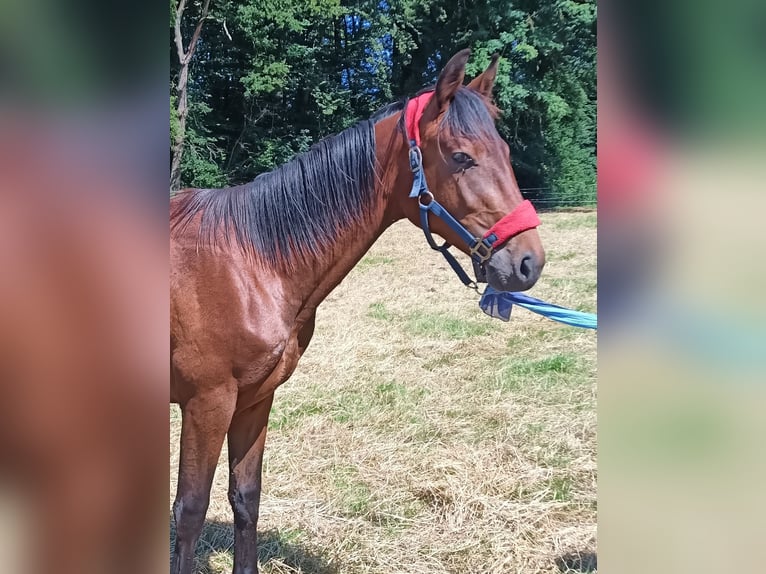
{"x": 463, "y": 159}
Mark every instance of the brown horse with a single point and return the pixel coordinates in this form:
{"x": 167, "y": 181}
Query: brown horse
{"x": 250, "y": 265}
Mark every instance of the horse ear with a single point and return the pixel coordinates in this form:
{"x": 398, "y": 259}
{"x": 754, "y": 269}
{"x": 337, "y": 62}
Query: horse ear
{"x": 450, "y": 79}
{"x": 484, "y": 82}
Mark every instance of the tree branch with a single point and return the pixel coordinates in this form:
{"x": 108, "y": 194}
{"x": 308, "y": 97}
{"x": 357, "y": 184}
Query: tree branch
{"x": 185, "y": 55}
{"x": 414, "y": 34}
{"x": 177, "y": 31}
{"x": 197, "y": 32}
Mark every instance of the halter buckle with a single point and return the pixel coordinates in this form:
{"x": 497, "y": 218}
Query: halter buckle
{"x": 416, "y": 157}
{"x": 481, "y": 252}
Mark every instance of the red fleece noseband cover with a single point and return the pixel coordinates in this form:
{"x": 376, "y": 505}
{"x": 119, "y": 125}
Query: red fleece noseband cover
{"x": 522, "y": 218}
{"x": 413, "y": 114}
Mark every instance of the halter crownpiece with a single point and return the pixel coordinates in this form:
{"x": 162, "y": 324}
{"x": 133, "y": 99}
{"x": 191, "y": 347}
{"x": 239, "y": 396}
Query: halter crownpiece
{"x": 413, "y": 115}
{"x": 522, "y": 218}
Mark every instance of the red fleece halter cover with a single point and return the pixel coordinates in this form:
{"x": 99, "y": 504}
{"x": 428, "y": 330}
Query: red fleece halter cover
{"x": 414, "y": 112}
{"x": 522, "y": 218}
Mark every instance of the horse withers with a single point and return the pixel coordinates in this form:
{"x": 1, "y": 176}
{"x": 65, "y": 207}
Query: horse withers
{"x": 250, "y": 264}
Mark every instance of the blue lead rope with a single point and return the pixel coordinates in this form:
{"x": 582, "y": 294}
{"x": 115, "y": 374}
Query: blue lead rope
{"x": 498, "y": 304}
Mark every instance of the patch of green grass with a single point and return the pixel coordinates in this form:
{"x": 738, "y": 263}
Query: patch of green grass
{"x": 353, "y": 495}
{"x": 517, "y": 373}
{"x": 566, "y": 256}
{"x": 560, "y": 489}
{"x": 287, "y": 536}
{"x": 396, "y": 394}
{"x": 561, "y": 364}
{"x": 578, "y": 221}
{"x": 446, "y": 326}
{"x": 554, "y": 364}
{"x": 584, "y": 287}
{"x": 505, "y": 381}
{"x": 560, "y": 281}
{"x": 370, "y": 261}
{"x": 350, "y": 406}
{"x": 287, "y": 416}
{"x": 543, "y": 334}
{"x": 379, "y": 311}
{"x": 558, "y": 458}
{"x": 388, "y": 399}
{"x": 577, "y": 284}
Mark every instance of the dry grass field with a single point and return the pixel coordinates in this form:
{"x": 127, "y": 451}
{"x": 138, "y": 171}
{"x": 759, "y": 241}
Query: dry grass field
{"x": 420, "y": 436}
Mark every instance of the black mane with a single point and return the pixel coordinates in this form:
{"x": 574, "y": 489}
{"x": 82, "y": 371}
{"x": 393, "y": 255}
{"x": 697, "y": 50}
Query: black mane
{"x": 294, "y": 213}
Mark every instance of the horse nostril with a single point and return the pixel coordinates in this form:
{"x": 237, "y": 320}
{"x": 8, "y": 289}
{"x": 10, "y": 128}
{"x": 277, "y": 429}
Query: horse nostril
{"x": 527, "y": 266}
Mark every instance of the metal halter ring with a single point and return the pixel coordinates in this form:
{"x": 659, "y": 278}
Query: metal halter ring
{"x": 425, "y": 192}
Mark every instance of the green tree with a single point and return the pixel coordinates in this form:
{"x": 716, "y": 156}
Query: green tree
{"x": 271, "y": 77}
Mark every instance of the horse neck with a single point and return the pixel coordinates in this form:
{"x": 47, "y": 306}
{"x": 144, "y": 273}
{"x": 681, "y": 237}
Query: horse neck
{"x": 354, "y": 241}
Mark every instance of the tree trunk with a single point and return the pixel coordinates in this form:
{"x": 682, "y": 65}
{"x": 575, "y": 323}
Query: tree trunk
{"x": 182, "y": 109}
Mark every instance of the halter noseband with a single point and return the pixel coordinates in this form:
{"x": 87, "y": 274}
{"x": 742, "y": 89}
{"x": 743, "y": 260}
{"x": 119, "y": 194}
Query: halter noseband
{"x": 522, "y": 218}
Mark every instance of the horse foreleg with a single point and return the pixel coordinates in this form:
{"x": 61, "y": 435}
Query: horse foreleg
{"x": 246, "y": 438}
{"x": 205, "y": 420}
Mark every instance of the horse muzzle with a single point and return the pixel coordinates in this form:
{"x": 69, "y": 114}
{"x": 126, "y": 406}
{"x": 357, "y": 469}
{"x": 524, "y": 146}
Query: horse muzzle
{"x": 513, "y": 269}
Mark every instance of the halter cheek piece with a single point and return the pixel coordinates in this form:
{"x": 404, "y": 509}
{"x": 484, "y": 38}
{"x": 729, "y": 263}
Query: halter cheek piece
{"x": 522, "y": 218}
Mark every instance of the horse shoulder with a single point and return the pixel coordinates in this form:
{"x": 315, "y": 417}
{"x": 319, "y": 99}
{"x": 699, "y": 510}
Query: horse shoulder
{"x": 223, "y": 322}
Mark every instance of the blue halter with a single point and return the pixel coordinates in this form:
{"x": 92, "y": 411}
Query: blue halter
{"x": 480, "y": 249}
